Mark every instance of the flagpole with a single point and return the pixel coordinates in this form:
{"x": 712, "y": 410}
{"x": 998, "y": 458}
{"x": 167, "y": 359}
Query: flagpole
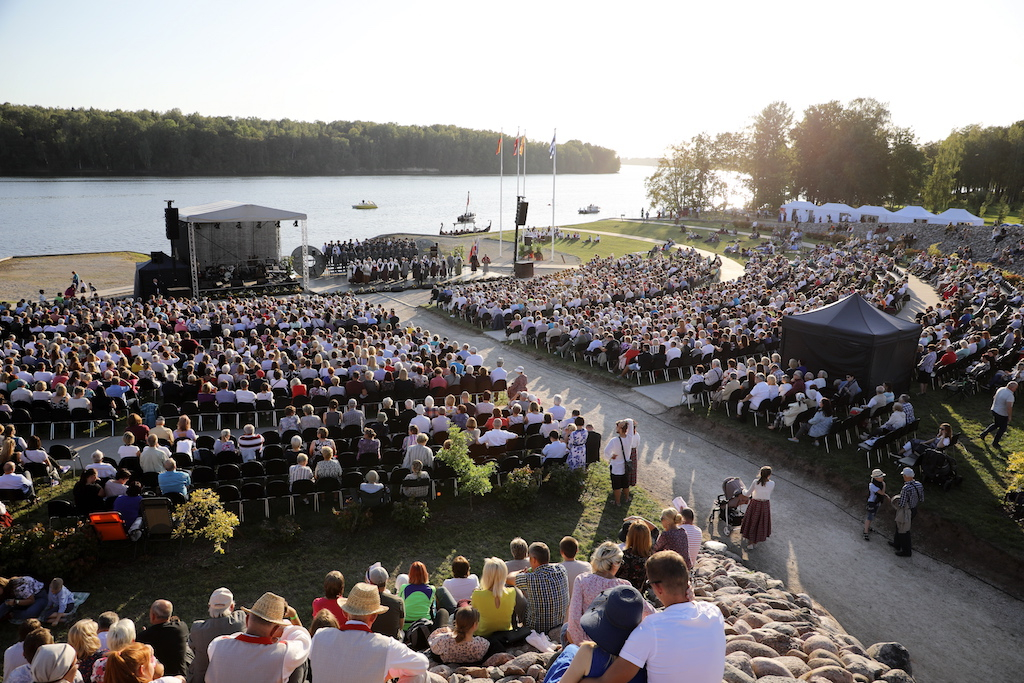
{"x": 522, "y": 153}
{"x": 501, "y": 182}
{"x": 554, "y": 174}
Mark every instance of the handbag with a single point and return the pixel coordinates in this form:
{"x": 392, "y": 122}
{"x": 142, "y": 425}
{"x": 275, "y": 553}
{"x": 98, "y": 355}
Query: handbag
{"x": 625, "y": 458}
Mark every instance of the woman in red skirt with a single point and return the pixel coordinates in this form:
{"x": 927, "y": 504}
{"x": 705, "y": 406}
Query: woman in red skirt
{"x": 757, "y": 522}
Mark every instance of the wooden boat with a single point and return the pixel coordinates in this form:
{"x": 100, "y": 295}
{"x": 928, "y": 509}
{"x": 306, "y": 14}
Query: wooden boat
{"x": 468, "y": 216}
{"x": 593, "y": 208}
{"x": 365, "y": 205}
{"x": 460, "y": 229}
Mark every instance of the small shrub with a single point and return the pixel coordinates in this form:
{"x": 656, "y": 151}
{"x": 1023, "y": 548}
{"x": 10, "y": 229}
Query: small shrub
{"x": 352, "y": 518}
{"x": 567, "y": 483}
{"x": 742, "y": 224}
{"x": 410, "y": 514}
{"x": 474, "y": 480}
{"x": 204, "y": 516}
{"x": 282, "y": 531}
{"x": 520, "y": 489}
{"x": 42, "y": 552}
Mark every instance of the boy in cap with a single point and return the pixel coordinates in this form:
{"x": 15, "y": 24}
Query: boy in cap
{"x": 273, "y": 648}
{"x": 354, "y": 653}
{"x": 224, "y": 620}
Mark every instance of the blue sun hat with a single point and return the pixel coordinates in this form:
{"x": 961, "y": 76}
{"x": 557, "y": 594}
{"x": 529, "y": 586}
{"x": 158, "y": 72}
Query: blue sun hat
{"x": 612, "y": 616}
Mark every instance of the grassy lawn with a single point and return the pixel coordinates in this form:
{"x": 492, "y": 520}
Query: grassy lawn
{"x": 606, "y": 247}
{"x": 665, "y": 231}
{"x": 261, "y": 558}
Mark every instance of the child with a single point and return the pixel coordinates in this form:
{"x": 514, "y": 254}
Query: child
{"x": 58, "y": 601}
{"x": 459, "y": 645}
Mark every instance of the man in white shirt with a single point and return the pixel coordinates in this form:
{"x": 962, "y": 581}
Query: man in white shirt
{"x": 244, "y": 394}
{"x": 103, "y": 470}
{"x": 421, "y": 421}
{"x": 497, "y": 437}
{"x": 355, "y": 653}
{"x": 694, "y": 537}
{"x": 474, "y": 359}
{"x": 153, "y": 455}
{"x": 557, "y": 410}
{"x": 556, "y": 448}
{"x": 684, "y": 643}
{"x": 499, "y": 372}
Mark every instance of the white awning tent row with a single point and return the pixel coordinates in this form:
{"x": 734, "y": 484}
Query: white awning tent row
{"x": 227, "y": 211}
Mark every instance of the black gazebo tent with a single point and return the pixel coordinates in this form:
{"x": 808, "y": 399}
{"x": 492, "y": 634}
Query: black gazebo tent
{"x": 852, "y": 336}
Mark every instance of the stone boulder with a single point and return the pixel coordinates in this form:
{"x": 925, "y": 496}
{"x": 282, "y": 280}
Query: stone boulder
{"x": 897, "y": 676}
{"x": 834, "y": 674}
{"x": 893, "y": 655}
{"x": 751, "y": 648}
{"x": 764, "y": 666}
{"x": 734, "y": 674}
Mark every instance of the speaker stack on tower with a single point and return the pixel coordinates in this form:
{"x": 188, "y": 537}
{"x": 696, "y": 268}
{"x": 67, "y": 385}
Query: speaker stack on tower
{"x": 171, "y": 223}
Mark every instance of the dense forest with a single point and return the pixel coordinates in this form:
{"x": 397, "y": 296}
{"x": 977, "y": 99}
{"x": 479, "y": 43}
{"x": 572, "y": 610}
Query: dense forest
{"x": 41, "y": 140}
{"x": 852, "y": 153}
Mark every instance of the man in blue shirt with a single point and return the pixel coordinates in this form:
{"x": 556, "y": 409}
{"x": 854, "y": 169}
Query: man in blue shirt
{"x": 173, "y": 480}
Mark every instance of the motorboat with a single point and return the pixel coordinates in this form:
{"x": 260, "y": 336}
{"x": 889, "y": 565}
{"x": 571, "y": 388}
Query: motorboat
{"x": 593, "y": 208}
{"x": 365, "y": 205}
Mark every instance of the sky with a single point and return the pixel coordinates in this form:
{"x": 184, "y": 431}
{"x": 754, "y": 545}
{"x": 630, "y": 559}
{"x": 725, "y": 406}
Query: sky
{"x": 633, "y": 77}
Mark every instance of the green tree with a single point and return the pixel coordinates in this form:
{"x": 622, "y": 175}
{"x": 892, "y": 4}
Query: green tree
{"x": 939, "y": 188}
{"x": 767, "y": 158}
{"x": 907, "y": 164}
{"x": 688, "y": 176}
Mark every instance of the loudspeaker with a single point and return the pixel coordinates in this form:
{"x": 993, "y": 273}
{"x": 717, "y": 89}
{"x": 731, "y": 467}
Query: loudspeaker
{"x": 521, "y": 212}
{"x": 171, "y": 223}
{"x": 156, "y": 256}
{"x": 528, "y": 241}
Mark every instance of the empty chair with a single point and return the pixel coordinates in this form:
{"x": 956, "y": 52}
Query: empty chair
{"x": 253, "y": 490}
{"x": 203, "y": 477}
{"x": 157, "y": 521}
{"x": 229, "y": 472}
{"x": 61, "y": 509}
{"x": 278, "y": 467}
{"x": 253, "y": 470}
{"x": 272, "y": 452}
{"x": 328, "y": 486}
{"x": 305, "y": 488}
{"x": 229, "y": 494}
{"x": 205, "y": 441}
{"x": 108, "y": 526}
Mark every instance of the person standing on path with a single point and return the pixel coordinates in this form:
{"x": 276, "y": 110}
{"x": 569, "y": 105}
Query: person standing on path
{"x": 633, "y": 443}
{"x": 617, "y": 452}
{"x": 757, "y": 522}
{"x": 876, "y": 494}
{"x": 906, "y": 509}
{"x": 1002, "y": 413}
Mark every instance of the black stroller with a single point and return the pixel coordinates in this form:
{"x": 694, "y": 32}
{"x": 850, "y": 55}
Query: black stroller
{"x": 727, "y": 505}
{"x": 939, "y": 468}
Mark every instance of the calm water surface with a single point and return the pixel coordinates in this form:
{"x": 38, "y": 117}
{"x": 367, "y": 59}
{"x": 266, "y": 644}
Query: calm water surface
{"x": 72, "y": 215}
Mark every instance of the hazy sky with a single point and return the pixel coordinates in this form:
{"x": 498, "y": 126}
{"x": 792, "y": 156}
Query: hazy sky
{"x": 633, "y": 76}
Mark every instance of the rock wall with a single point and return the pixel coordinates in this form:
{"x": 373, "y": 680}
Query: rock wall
{"x": 772, "y": 636}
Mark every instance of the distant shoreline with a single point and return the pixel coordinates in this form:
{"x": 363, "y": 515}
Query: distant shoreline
{"x": 367, "y": 174}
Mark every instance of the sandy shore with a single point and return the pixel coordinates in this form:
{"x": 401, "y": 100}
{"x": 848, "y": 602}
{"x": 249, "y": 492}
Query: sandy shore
{"x": 21, "y": 277}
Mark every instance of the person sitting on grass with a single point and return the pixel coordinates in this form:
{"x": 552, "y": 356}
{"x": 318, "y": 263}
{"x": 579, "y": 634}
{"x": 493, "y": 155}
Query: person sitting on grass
{"x": 59, "y": 600}
{"x": 458, "y": 644}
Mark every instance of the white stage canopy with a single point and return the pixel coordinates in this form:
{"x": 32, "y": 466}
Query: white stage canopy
{"x": 957, "y": 217}
{"x": 228, "y": 211}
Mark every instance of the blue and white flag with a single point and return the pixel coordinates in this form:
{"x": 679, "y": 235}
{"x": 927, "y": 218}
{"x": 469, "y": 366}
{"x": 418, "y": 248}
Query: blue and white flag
{"x": 551, "y": 150}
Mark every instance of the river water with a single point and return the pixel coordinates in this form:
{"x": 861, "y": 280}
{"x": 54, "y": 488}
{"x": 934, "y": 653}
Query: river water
{"x": 75, "y": 215}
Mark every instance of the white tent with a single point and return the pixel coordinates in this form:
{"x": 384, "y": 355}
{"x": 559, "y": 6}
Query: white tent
{"x": 838, "y": 213}
{"x": 228, "y": 211}
{"x": 957, "y": 217}
{"x": 880, "y": 214}
{"x": 913, "y": 214}
{"x": 805, "y": 211}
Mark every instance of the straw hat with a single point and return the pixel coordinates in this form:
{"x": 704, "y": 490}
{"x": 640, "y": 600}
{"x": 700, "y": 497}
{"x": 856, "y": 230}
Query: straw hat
{"x": 362, "y": 601}
{"x": 270, "y": 608}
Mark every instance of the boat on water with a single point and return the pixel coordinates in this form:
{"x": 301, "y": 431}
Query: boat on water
{"x": 365, "y": 205}
{"x": 593, "y": 208}
{"x": 463, "y": 229}
{"x": 467, "y": 216}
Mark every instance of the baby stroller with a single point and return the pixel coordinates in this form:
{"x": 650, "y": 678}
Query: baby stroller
{"x": 939, "y": 468}
{"x": 730, "y": 505}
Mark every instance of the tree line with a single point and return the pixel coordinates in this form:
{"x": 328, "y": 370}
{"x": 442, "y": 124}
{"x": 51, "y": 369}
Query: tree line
{"x": 41, "y": 140}
{"x": 850, "y": 153}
